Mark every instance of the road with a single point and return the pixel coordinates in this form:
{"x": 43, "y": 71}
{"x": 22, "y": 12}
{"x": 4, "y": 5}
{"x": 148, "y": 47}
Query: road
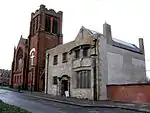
{"x": 36, "y": 105}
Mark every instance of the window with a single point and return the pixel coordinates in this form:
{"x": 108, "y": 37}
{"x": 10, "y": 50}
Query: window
{"x": 55, "y": 80}
{"x": 83, "y": 79}
{"x": 47, "y": 24}
{"x": 55, "y": 26}
{"x": 64, "y": 58}
{"x": 55, "y": 61}
{"x": 19, "y": 65}
{"x": 85, "y": 52}
{"x": 19, "y": 60}
{"x": 77, "y": 53}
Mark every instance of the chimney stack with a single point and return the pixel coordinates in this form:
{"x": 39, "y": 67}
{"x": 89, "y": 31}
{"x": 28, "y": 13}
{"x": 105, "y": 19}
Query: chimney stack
{"x": 141, "y": 45}
{"x": 107, "y": 32}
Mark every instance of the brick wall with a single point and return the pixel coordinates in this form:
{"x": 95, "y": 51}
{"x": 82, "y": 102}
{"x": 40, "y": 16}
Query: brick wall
{"x": 137, "y": 93}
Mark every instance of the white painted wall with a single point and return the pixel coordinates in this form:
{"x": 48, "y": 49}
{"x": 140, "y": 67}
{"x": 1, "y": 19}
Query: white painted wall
{"x": 125, "y": 67}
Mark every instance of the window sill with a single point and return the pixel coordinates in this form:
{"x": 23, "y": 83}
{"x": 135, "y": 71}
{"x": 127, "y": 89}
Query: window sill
{"x": 50, "y": 33}
{"x": 64, "y": 61}
{"x": 55, "y": 63}
{"x": 17, "y": 71}
{"x": 81, "y": 58}
{"x": 76, "y": 59}
{"x": 83, "y": 88}
{"x": 86, "y": 57}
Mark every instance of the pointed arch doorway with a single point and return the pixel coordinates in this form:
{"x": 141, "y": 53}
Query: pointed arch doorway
{"x": 64, "y": 85}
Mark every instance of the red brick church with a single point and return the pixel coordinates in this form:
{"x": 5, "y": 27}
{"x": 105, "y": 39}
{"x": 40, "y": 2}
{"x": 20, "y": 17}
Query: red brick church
{"x": 30, "y": 54}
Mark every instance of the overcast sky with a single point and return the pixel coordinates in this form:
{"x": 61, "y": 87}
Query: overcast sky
{"x": 129, "y": 19}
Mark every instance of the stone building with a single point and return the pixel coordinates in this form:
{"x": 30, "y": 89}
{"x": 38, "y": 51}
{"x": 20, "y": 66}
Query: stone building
{"x": 29, "y": 55}
{"x": 84, "y": 67}
{"x": 4, "y": 77}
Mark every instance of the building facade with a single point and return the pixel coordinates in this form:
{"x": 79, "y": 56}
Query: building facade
{"x": 84, "y": 67}
{"x": 29, "y": 56}
{"x": 4, "y": 77}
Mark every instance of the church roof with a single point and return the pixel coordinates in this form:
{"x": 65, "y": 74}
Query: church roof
{"x": 22, "y": 40}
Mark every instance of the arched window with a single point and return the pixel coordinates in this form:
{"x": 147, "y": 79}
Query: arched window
{"x": 19, "y": 59}
{"x": 20, "y": 64}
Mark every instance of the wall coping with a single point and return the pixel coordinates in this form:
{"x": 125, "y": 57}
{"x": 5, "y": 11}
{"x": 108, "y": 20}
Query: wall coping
{"x": 131, "y": 84}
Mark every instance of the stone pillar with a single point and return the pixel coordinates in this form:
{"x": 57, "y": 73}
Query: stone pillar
{"x": 42, "y": 18}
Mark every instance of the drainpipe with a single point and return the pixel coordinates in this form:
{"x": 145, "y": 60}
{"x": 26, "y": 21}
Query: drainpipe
{"x": 94, "y": 72}
{"x": 94, "y": 67}
{"x": 47, "y": 74}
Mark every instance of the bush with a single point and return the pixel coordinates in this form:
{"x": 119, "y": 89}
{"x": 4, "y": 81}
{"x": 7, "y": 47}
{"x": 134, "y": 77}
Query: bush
{"x": 6, "y": 108}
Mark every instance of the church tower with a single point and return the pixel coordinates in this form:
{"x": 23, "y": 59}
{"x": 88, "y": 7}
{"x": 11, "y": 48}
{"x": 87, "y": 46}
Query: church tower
{"x": 45, "y": 33}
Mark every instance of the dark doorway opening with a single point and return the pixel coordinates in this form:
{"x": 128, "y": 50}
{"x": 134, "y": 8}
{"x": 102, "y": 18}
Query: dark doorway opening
{"x": 64, "y": 87}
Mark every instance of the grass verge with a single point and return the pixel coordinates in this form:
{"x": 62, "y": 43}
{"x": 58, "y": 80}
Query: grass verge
{"x": 6, "y": 108}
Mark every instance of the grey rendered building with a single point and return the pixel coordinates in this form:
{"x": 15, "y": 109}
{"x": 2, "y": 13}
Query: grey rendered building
{"x": 84, "y": 67}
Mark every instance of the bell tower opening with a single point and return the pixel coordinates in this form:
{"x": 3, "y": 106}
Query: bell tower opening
{"x": 47, "y": 20}
{"x": 47, "y": 24}
{"x": 34, "y": 25}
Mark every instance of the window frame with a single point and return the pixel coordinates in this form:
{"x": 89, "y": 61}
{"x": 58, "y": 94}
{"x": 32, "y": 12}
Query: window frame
{"x": 85, "y": 50}
{"x": 83, "y": 80}
{"x": 55, "y": 82}
{"x": 64, "y": 57}
{"x": 55, "y": 60}
{"x": 77, "y": 56}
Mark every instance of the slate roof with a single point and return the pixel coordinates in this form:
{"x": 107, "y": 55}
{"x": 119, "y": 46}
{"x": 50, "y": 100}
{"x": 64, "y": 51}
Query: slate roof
{"x": 119, "y": 43}
{"x": 126, "y": 45}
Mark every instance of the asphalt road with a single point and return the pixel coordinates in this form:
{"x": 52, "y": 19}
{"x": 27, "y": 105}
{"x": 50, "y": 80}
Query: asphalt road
{"x": 36, "y": 105}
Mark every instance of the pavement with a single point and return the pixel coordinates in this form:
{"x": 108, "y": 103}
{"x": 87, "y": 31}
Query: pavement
{"x": 76, "y": 104}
